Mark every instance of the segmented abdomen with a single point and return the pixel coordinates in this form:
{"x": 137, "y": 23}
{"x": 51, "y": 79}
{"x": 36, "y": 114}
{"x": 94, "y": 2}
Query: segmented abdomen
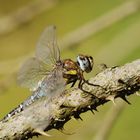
{"x": 52, "y": 85}
{"x": 35, "y": 96}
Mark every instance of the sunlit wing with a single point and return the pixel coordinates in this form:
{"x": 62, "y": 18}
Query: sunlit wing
{"x": 47, "y": 55}
{"x": 31, "y": 72}
{"x": 47, "y": 49}
{"x": 54, "y": 84}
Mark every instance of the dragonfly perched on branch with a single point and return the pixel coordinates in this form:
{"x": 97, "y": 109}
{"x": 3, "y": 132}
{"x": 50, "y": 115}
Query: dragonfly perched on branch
{"x": 46, "y": 74}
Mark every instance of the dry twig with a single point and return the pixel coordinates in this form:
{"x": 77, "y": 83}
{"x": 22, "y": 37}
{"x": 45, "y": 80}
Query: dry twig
{"x": 44, "y": 115}
{"x": 97, "y": 25}
{"x": 23, "y": 15}
{"x": 109, "y": 121}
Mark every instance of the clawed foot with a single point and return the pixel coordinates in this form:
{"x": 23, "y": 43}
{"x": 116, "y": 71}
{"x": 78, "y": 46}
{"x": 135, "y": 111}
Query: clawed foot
{"x": 86, "y": 81}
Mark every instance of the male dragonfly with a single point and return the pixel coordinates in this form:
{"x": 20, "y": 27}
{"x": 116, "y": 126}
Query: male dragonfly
{"x": 46, "y": 74}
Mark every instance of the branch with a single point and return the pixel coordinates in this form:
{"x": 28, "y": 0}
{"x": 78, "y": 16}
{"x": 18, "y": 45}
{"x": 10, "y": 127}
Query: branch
{"x": 90, "y": 28}
{"x": 109, "y": 121}
{"x": 24, "y": 14}
{"x": 44, "y": 115}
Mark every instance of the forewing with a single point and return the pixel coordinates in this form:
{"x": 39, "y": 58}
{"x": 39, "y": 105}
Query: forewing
{"x": 31, "y": 72}
{"x": 47, "y": 49}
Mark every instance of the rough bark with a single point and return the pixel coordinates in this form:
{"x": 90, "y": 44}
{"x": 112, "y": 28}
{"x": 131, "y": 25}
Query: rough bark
{"x": 44, "y": 115}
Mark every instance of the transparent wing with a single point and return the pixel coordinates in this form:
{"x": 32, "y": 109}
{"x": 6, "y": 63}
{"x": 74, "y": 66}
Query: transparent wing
{"x": 47, "y": 55}
{"x": 31, "y": 72}
{"x": 51, "y": 86}
{"x": 47, "y": 49}
{"x": 54, "y": 84}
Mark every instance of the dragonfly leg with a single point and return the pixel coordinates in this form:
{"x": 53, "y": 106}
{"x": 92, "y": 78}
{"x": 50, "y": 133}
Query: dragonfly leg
{"x": 86, "y": 81}
{"x": 73, "y": 83}
{"x": 80, "y": 86}
{"x": 69, "y": 82}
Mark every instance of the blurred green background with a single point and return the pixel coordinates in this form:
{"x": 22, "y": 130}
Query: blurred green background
{"x": 108, "y": 30}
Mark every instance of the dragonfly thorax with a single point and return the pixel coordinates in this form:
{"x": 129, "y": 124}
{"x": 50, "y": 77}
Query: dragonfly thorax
{"x": 85, "y": 63}
{"x": 71, "y": 71}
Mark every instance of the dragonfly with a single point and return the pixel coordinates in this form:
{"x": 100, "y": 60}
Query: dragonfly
{"x": 47, "y": 74}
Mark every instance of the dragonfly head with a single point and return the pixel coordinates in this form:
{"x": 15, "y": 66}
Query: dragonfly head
{"x": 85, "y": 62}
